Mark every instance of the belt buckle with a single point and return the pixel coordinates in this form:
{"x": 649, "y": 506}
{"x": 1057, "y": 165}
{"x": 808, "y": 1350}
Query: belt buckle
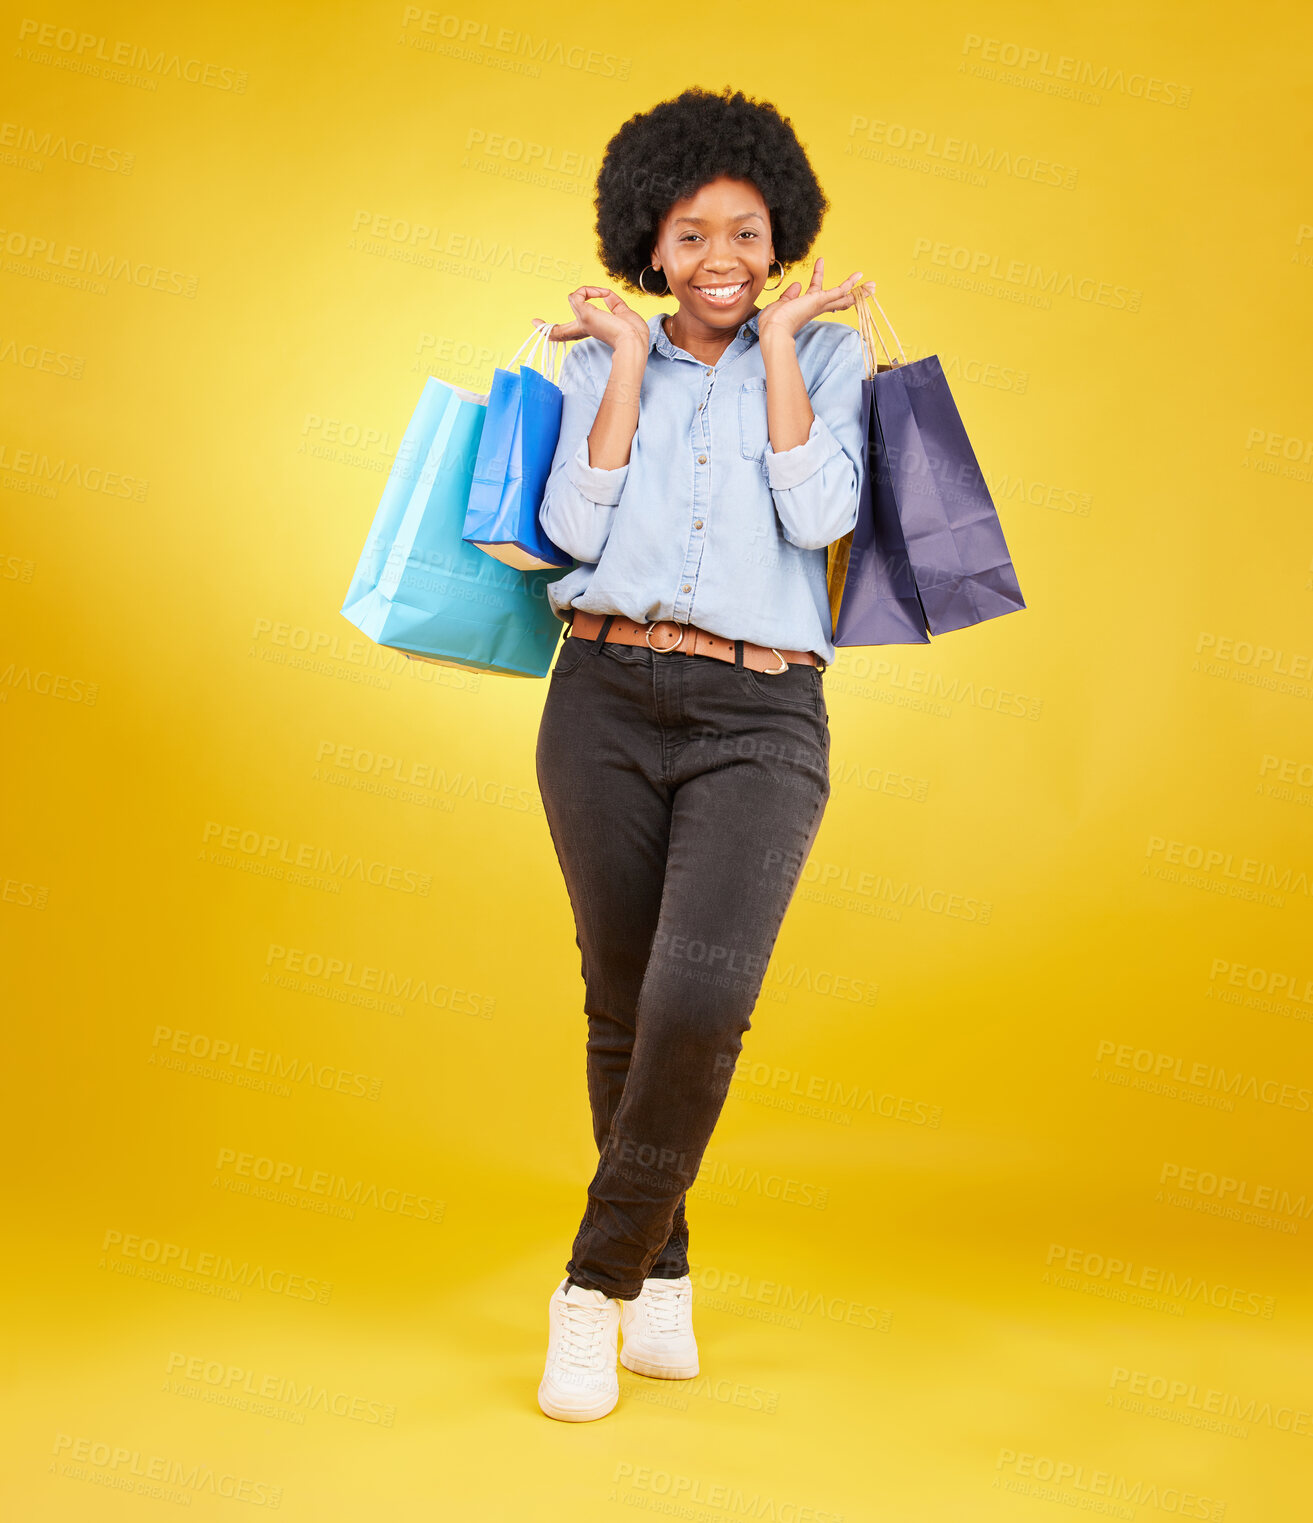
{"x": 665, "y": 649}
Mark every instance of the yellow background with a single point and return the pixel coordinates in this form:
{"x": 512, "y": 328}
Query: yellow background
{"x": 947, "y": 1128}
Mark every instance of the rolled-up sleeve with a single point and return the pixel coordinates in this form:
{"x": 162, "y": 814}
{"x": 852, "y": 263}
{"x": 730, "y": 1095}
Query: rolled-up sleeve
{"x": 815, "y": 484}
{"x": 579, "y": 501}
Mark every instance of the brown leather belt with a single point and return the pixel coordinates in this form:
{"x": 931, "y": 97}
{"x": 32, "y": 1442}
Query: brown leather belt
{"x": 666, "y": 635}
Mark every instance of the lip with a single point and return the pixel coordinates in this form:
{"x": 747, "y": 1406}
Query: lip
{"x": 722, "y": 304}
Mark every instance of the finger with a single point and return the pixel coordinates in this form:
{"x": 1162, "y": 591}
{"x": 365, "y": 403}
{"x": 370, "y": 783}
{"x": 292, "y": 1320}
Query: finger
{"x": 817, "y": 273}
{"x": 845, "y": 295}
{"x": 847, "y": 284}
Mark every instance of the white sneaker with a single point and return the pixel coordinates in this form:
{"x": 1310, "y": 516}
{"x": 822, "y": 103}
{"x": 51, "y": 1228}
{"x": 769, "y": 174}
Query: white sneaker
{"x": 658, "y": 1331}
{"x": 579, "y": 1381}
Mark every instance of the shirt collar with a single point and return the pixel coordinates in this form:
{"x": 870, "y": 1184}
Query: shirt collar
{"x": 659, "y": 338}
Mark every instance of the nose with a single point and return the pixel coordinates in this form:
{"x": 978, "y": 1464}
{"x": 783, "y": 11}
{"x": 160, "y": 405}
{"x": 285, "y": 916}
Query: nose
{"x": 720, "y": 256}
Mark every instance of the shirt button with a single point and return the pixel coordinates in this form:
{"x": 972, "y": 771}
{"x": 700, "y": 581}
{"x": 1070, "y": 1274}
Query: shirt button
{"x": 688, "y": 587}
{"x": 702, "y": 459}
{"x": 710, "y": 371}
{"x": 697, "y": 523}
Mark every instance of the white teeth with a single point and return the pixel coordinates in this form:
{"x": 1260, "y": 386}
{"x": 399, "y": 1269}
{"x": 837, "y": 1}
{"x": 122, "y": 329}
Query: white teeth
{"x": 722, "y": 290}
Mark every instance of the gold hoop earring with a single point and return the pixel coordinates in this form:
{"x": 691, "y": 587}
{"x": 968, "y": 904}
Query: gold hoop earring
{"x": 645, "y": 290}
{"x": 779, "y": 282}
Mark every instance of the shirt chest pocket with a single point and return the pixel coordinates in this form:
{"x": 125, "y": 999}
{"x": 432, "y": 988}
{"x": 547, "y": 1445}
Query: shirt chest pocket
{"x": 753, "y": 431}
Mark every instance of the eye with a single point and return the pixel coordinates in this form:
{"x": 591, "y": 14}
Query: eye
{"x": 745, "y": 232}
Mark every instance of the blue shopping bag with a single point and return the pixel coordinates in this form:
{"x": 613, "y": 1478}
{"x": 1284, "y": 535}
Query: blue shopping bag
{"x": 927, "y": 552}
{"x": 515, "y": 460}
{"x": 418, "y": 587}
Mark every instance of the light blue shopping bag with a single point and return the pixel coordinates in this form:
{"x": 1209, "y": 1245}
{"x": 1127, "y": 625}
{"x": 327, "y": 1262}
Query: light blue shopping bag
{"x": 515, "y": 459}
{"x": 418, "y": 587}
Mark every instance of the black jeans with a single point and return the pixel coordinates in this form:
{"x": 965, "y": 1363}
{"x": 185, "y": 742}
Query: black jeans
{"x": 683, "y": 795}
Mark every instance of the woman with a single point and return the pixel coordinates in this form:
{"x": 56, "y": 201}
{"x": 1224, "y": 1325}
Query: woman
{"x": 706, "y": 459}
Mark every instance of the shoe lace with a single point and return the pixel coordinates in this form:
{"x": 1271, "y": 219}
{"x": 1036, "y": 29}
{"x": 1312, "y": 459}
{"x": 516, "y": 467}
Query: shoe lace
{"x": 582, "y": 1328}
{"x": 667, "y": 1301}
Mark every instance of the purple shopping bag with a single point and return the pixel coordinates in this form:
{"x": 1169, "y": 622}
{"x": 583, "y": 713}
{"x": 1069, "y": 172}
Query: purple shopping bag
{"x": 927, "y": 551}
{"x": 873, "y": 597}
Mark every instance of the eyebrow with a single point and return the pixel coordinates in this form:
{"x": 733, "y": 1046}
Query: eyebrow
{"x": 741, "y": 217}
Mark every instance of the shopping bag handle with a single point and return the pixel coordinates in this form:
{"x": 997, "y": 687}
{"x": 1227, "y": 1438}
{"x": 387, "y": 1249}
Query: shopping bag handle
{"x": 871, "y": 335}
{"x": 551, "y": 353}
{"x": 549, "y": 357}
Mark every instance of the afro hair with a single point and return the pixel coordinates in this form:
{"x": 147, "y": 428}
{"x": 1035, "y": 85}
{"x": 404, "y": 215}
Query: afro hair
{"x": 666, "y": 154}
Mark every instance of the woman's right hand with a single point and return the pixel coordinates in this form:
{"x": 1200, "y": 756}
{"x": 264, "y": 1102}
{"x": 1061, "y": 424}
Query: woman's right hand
{"x": 617, "y": 325}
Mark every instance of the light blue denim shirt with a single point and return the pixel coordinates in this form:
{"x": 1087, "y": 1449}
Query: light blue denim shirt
{"x": 707, "y": 524}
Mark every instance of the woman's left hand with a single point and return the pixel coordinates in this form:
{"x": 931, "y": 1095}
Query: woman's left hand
{"x": 794, "y": 306}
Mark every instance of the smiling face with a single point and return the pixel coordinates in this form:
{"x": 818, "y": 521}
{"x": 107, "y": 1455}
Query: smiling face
{"x": 715, "y": 250}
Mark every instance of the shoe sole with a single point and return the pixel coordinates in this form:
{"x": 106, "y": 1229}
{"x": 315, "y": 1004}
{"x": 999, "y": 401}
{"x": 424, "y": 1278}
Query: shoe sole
{"x": 657, "y": 1371}
{"x": 575, "y": 1414}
